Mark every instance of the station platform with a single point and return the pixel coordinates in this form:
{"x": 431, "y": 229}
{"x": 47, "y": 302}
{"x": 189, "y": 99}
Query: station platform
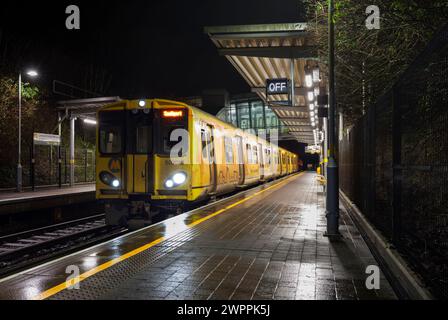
{"x": 16, "y": 202}
{"x": 264, "y": 243}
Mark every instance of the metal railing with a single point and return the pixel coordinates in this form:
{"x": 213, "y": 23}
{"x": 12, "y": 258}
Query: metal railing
{"x": 47, "y": 171}
{"x": 394, "y": 164}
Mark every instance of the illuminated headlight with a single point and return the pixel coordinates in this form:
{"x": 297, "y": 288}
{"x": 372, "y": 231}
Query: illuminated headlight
{"x": 109, "y": 179}
{"x": 179, "y": 178}
{"x": 115, "y": 183}
{"x": 176, "y": 180}
{"x": 142, "y": 103}
{"x": 169, "y": 183}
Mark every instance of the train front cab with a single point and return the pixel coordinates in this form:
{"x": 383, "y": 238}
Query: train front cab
{"x": 134, "y": 167}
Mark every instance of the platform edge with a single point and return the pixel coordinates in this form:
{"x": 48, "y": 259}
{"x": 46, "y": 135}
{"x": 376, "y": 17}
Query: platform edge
{"x": 408, "y": 279}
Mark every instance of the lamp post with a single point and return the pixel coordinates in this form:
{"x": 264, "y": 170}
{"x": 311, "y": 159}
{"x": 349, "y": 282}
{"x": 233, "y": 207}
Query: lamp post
{"x": 31, "y": 73}
{"x": 332, "y": 213}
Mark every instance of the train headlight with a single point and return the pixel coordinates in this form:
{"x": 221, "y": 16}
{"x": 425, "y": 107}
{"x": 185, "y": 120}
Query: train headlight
{"x": 109, "y": 179}
{"x": 179, "y": 178}
{"x": 176, "y": 180}
{"x": 169, "y": 183}
{"x": 115, "y": 183}
{"x": 142, "y": 103}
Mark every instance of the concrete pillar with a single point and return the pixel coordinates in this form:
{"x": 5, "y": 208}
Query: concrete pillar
{"x": 72, "y": 150}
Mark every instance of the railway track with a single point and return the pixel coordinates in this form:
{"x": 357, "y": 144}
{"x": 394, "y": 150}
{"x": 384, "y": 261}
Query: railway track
{"x": 22, "y": 249}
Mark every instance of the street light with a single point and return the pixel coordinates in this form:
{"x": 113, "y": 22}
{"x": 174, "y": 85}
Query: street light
{"x": 31, "y": 73}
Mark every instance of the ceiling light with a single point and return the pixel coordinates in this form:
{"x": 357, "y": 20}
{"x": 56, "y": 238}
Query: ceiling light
{"x": 89, "y": 121}
{"x": 310, "y": 96}
{"x": 308, "y": 80}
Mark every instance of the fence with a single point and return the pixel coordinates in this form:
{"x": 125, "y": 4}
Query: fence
{"x": 394, "y": 164}
{"x": 46, "y": 167}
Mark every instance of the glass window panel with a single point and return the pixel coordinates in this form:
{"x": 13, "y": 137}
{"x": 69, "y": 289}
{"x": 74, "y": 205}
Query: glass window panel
{"x": 257, "y": 114}
{"x": 228, "y": 149}
{"x": 243, "y": 115}
{"x": 233, "y": 115}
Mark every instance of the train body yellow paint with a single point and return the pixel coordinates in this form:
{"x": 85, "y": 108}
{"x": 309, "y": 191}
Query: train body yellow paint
{"x": 165, "y": 155}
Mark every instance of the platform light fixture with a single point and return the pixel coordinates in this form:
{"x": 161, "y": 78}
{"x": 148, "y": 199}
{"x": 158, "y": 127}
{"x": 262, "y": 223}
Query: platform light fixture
{"x": 316, "y": 74}
{"x": 308, "y": 80}
{"x": 311, "y": 106}
{"x": 310, "y": 96}
{"x": 90, "y": 121}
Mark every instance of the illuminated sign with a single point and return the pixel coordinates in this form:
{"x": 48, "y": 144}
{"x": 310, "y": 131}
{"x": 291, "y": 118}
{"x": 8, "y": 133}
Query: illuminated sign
{"x": 277, "y": 86}
{"x": 312, "y": 149}
{"x": 173, "y": 113}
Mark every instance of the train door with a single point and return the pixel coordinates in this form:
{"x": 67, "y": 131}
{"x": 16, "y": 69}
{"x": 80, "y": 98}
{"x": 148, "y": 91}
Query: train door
{"x": 211, "y": 156}
{"x": 261, "y": 160}
{"x": 280, "y": 161}
{"x": 240, "y": 155}
{"x": 139, "y": 148}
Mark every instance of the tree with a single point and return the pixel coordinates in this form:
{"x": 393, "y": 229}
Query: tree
{"x": 36, "y": 116}
{"x": 369, "y": 61}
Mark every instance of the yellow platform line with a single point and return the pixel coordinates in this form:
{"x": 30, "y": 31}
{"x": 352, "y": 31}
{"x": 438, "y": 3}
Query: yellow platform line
{"x": 70, "y": 283}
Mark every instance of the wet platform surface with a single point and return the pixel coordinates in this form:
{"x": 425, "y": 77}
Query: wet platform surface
{"x": 15, "y": 202}
{"x": 267, "y": 243}
{"x": 44, "y": 193}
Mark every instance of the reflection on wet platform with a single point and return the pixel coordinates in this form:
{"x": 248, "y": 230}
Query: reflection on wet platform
{"x": 266, "y": 243}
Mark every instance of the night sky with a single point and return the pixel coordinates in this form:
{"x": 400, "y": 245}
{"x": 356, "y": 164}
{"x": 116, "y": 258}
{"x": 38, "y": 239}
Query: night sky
{"x": 148, "y": 48}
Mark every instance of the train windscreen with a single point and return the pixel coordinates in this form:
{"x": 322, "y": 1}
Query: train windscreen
{"x": 139, "y": 132}
{"x": 169, "y": 123}
{"x": 111, "y": 132}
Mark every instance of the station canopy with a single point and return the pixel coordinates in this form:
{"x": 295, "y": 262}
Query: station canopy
{"x": 273, "y": 51}
{"x": 85, "y": 108}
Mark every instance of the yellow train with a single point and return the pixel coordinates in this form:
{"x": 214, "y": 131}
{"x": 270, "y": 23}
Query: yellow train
{"x": 160, "y": 154}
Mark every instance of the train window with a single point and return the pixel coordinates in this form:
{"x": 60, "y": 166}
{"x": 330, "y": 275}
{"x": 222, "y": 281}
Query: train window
{"x": 110, "y": 140}
{"x": 204, "y": 144}
{"x": 143, "y": 139}
{"x": 228, "y": 149}
{"x": 111, "y": 132}
{"x": 255, "y": 154}
{"x": 249, "y": 154}
{"x": 139, "y": 132}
